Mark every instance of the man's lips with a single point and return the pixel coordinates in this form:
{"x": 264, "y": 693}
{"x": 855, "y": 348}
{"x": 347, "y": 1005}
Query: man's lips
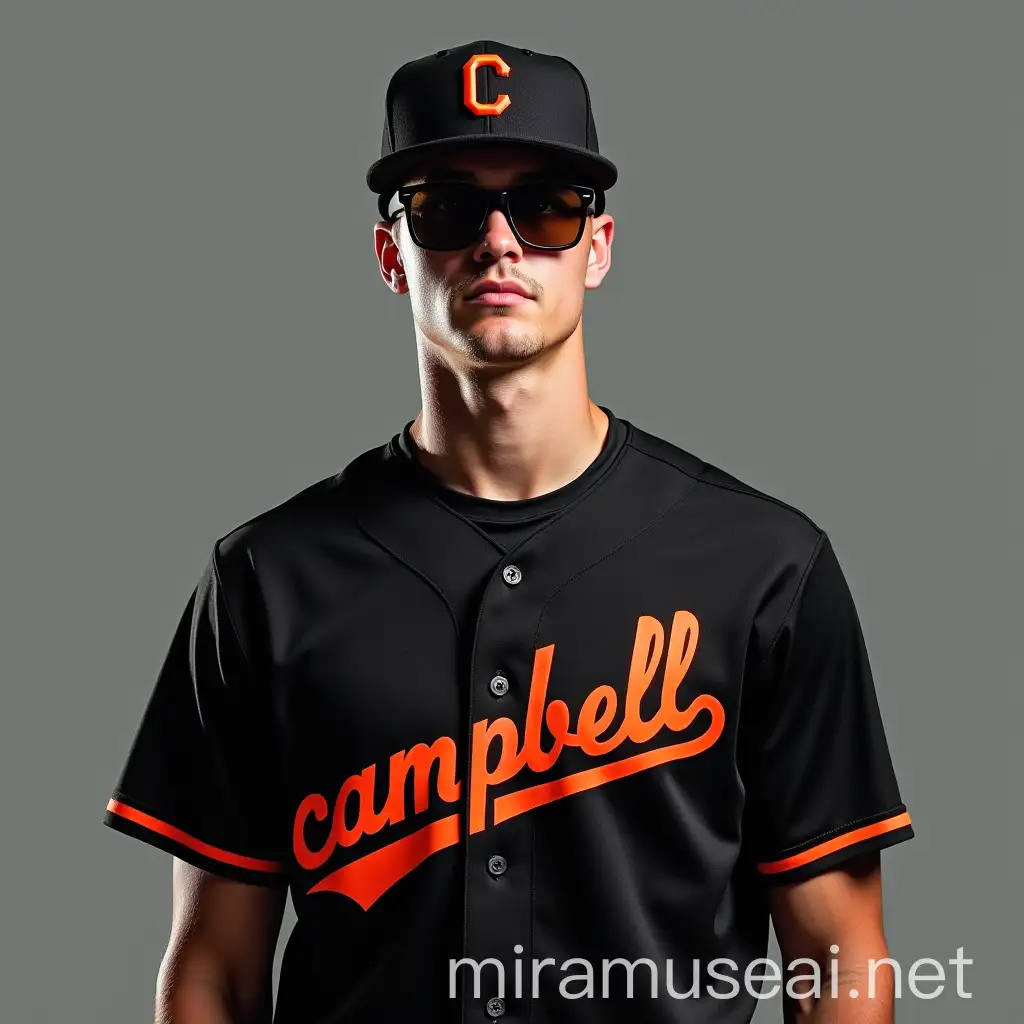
{"x": 497, "y": 291}
{"x": 497, "y": 299}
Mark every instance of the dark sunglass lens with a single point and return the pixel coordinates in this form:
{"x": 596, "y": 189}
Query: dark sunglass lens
{"x": 446, "y": 216}
{"x": 547, "y": 214}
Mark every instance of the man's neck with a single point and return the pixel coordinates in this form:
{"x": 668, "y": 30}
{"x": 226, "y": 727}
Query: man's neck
{"x": 509, "y": 453}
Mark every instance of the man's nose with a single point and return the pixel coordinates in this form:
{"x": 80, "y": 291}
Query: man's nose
{"x": 497, "y": 240}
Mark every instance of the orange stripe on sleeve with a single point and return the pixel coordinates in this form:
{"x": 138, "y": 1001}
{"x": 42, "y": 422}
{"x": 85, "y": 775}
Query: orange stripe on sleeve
{"x": 213, "y": 852}
{"x": 857, "y": 835}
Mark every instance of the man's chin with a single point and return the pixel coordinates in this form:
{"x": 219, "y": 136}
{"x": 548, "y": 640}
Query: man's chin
{"x": 500, "y": 347}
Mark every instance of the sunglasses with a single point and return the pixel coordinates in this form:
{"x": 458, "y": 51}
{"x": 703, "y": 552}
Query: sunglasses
{"x": 451, "y": 215}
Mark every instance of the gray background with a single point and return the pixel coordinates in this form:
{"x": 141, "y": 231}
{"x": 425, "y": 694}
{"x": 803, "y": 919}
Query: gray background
{"x": 816, "y": 284}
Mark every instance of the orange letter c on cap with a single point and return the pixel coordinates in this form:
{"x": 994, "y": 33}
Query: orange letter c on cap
{"x": 469, "y": 70}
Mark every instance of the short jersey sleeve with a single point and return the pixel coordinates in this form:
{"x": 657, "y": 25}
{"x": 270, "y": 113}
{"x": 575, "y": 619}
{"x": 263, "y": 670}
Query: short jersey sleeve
{"x": 199, "y": 780}
{"x": 819, "y": 778}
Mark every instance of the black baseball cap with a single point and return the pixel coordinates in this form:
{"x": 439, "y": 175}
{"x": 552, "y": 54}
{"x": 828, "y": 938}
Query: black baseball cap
{"x": 485, "y": 93}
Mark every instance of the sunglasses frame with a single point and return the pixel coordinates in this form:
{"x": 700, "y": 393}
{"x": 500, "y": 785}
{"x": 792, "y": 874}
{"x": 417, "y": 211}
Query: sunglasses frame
{"x": 498, "y": 200}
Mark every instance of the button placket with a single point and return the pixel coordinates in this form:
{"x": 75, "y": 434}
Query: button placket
{"x": 498, "y": 898}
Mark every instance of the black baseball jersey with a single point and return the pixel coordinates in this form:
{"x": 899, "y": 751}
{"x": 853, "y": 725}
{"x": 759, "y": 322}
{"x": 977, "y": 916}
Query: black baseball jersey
{"x": 536, "y": 761}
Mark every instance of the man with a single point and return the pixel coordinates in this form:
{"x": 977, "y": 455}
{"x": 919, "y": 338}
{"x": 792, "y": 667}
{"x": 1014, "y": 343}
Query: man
{"x": 536, "y": 715}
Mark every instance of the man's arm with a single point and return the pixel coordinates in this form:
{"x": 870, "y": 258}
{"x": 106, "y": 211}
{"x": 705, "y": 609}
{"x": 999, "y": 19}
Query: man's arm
{"x": 842, "y": 907}
{"x": 218, "y": 967}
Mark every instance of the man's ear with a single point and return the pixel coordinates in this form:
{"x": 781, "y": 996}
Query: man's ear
{"x": 599, "y": 259}
{"x": 389, "y": 255}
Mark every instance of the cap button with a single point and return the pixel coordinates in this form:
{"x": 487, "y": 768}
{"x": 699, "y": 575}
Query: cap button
{"x": 529, "y": 53}
{"x": 440, "y": 53}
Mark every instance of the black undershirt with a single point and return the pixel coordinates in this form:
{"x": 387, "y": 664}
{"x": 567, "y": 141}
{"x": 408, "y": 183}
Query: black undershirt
{"x": 508, "y": 522}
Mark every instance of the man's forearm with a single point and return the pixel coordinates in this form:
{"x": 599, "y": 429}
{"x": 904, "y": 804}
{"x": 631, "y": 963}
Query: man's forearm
{"x": 852, "y": 991}
{"x": 194, "y": 1002}
{"x": 199, "y": 999}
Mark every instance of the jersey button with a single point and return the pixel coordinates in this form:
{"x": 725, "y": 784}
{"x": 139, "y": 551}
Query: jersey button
{"x": 511, "y": 574}
{"x": 499, "y": 685}
{"x": 496, "y": 1006}
{"x": 497, "y": 864}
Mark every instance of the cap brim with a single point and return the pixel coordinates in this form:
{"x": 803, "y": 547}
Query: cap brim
{"x": 387, "y": 173}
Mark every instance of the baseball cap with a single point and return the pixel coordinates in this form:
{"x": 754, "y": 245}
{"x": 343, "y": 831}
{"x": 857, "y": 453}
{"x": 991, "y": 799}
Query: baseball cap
{"x": 485, "y": 93}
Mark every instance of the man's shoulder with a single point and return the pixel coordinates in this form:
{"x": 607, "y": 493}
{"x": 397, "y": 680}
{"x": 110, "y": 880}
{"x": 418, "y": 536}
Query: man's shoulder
{"x": 728, "y": 498}
{"x": 324, "y": 505}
